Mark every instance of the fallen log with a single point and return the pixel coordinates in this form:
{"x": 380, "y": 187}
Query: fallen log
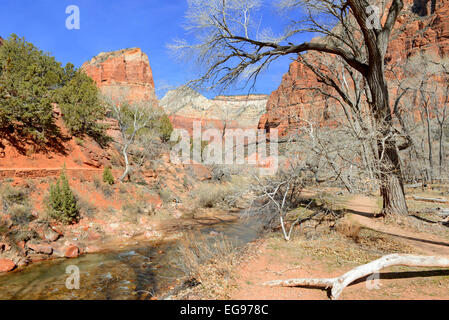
{"x": 439, "y": 200}
{"x": 437, "y": 211}
{"x": 415, "y": 185}
{"x": 337, "y": 285}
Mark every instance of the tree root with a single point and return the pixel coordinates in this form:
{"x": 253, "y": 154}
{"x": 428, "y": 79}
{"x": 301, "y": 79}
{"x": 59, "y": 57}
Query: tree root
{"x": 337, "y": 285}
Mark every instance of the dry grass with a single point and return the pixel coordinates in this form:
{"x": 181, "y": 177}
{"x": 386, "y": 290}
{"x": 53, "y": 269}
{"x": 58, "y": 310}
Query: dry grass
{"x": 337, "y": 242}
{"x": 228, "y": 194}
{"x": 349, "y": 229}
{"x": 209, "y": 195}
{"x": 208, "y": 267}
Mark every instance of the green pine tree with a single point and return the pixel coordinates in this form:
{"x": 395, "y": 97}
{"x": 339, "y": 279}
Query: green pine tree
{"x": 80, "y": 105}
{"x": 166, "y": 128}
{"x": 61, "y": 203}
{"x": 28, "y": 80}
{"x": 107, "y": 176}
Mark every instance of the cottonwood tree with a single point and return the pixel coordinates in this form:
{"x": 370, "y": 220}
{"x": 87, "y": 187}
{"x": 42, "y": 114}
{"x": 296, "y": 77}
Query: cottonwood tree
{"x": 132, "y": 119}
{"x": 230, "y": 45}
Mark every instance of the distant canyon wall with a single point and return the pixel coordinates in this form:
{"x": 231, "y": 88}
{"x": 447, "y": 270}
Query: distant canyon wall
{"x": 185, "y": 106}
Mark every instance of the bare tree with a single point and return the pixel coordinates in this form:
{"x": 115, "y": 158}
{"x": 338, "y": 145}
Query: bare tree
{"x": 230, "y": 45}
{"x": 132, "y": 118}
{"x": 280, "y": 193}
{"x": 421, "y": 88}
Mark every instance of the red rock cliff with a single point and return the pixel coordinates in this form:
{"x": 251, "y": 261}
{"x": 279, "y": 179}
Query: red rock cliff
{"x": 124, "y": 72}
{"x": 424, "y": 25}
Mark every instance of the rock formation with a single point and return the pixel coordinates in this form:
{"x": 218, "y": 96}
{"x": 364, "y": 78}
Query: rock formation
{"x": 125, "y": 73}
{"x": 412, "y": 34}
{"x": 184, "y": 106}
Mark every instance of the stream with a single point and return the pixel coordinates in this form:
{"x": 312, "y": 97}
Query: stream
{"x": 135, "y": 273}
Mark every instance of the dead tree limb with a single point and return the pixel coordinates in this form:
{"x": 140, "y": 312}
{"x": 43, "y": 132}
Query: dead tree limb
{"x": 439, "y": 200}
{"x": 415, "y": 185}
{"x": 438, "y": 211}
{"x": 338, "y": 284}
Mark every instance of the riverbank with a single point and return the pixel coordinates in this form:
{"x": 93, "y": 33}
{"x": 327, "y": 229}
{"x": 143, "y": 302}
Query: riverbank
{"x": 157, "y": 207}
{"x": 82, "y": 239}
{"x": 139, "y": 271}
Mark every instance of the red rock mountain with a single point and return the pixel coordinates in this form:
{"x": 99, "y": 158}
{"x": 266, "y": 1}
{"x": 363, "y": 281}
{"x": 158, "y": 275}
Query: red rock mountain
{"x": 123, "y": 73}
{"x": 424, "y": 25}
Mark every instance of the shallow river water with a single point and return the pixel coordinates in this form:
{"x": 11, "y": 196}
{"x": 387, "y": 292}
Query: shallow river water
{"x": 136, "y": 273}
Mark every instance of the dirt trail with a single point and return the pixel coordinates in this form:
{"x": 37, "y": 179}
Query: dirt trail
{"x": 363, "y": 210}
{"x": 270, "y": 263}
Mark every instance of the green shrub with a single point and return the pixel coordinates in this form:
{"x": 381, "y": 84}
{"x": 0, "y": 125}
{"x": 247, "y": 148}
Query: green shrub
{"x": 108, "y": 178}
{"x": 22, "y": 235}
{"x": 165, "y": 129}
{"x": 61, "y": 203}
{"x": 79, "y": 141}
{"x": 80, "y": 105}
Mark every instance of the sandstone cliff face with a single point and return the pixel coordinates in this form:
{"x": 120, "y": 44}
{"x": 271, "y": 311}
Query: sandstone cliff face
{"x": 184, "y": 106}
{"x": 123, "y": 73}
{"x": 424, "y": 25}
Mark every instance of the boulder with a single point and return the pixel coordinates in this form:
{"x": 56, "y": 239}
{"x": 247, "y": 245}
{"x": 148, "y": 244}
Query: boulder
{"x": 6, "y": 265}
{"x": 72, "y": 252}
{"x": 40, "y": 248}
{"x": 200, "y": 172}
{"x": 51, "y": 235}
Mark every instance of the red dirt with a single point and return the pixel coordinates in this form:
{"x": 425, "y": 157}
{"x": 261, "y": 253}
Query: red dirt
{"x": 270, "y": 264}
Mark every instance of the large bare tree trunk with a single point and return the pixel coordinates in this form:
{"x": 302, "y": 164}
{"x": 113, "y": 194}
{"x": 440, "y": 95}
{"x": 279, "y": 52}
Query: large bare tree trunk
{"x": 389, "y": 170}
{"x": 391, "y": 184}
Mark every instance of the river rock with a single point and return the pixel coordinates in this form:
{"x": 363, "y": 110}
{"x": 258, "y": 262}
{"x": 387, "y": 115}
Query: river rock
{"x": 40, "y": 248}
{"x": 72, "y": 252}
{"x": 6, "y": 265}
{"x": 51, "y": 235}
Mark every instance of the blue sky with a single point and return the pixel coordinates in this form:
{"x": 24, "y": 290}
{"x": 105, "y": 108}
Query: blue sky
{"x": 108, "y": 25}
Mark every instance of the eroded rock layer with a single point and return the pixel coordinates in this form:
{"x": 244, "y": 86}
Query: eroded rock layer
{"x": 124, "y": 73}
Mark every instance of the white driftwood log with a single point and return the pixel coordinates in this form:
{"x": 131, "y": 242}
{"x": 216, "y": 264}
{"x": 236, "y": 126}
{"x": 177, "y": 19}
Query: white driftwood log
{"x": 338, "y": 284}
{"x": 439, "y": 200}
{"x": 415, "y": 185}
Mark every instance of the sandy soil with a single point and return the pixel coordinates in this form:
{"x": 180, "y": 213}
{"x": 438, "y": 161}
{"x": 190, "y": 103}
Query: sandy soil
{"x": 272, "y": 263}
